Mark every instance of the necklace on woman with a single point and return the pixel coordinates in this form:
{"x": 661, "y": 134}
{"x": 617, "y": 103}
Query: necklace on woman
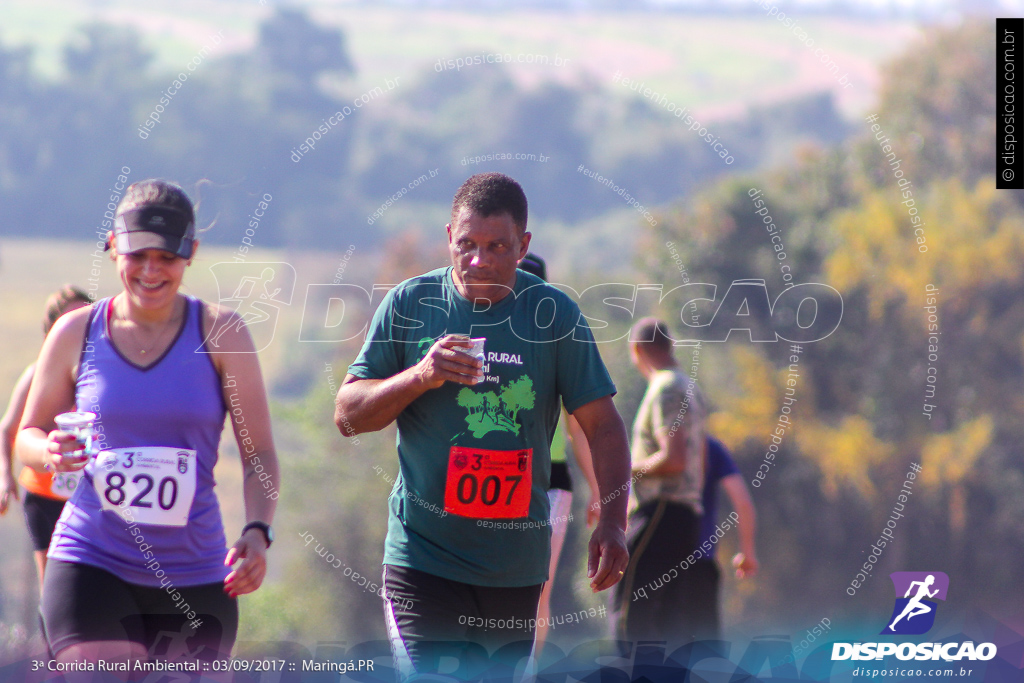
{"x": 159, "y": 336}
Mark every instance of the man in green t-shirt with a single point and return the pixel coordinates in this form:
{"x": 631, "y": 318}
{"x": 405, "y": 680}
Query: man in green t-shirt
{"x": 468, "y": 537}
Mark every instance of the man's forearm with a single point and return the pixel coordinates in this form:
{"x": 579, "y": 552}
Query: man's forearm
{"x": 610, "y": 452}
{"x": 581, "y": 451}
{"x": 746, "y": 514}
{"x": 658, "y": 465}
{"x": 368, "y": 405}
{"x": 747, "y": 528}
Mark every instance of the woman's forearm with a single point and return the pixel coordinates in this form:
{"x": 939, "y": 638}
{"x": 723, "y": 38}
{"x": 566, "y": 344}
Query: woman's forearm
{"x": 32, "y": 448}
{"x": 260, "y": 469}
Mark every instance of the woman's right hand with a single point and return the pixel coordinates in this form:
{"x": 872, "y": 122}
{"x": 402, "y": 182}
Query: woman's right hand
{"x": 8, "y": 491}
{"x": 58, "y": 445}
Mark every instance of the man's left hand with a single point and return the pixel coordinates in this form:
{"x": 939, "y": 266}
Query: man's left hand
{"x": 608, "y": 556}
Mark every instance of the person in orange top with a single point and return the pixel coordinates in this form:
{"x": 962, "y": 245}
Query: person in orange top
{"x": 44, "y": 495}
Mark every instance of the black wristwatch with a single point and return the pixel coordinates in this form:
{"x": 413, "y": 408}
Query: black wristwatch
{"x": 268, "y": 533}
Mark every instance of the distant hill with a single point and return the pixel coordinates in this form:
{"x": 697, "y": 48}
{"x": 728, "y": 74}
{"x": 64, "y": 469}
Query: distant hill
{"x": 395, "y": 108}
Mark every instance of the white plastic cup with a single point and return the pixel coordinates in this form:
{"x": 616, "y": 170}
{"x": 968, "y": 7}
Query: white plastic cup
{"x": 80, "y": 425}
{"x": 477, "y": 351}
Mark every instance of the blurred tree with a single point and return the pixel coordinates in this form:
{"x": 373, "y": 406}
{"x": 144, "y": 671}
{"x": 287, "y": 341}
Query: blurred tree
{"x": 859, "y": 421}
{"x": 22, "y": 152}
{"x": 293, "y": 44}
{"x": 81, "y": 140}
{"x": 105, "y": 57}
{"x": 938, "y": 106}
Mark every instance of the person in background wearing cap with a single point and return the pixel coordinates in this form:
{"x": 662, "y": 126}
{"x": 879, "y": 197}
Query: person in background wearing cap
{"x": 468, "y": 540}
{"x": 570, "y": 438}
{"x": 139, "y": 551}
{"x": 44, "y": 496}
{"x": 654, "y": 601}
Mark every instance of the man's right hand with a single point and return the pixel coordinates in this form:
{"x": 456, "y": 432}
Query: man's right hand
{"x": 746, "y": 565}
{"x": 444, "y": 362}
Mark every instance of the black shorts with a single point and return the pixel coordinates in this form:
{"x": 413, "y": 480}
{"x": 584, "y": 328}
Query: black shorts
{"x": 82, "y": 604}
{"x": 560, "y": 478}
{"x": 41, "y": 515}
{"x": 658, "y": 596}
{"x": 706, "y": 581}
{"x": 429, "y": 617}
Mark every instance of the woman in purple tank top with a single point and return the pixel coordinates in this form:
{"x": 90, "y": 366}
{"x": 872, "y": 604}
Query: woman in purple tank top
{"x": 139, "y": 569}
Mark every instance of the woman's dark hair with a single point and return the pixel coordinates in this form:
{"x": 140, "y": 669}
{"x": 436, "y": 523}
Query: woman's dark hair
{"x": 156, "y": 192}
{"x": 59, "y": 302}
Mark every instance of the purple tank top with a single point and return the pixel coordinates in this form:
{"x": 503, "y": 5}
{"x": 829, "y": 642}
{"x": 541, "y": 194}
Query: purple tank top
{"x": 175, "y": 402}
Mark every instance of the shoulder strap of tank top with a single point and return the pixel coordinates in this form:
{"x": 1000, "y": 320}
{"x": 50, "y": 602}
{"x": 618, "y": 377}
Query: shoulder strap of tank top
{"x": 200, "y": 315}
{"x": 95, "y": 310}
{"x": 200, "y": 318}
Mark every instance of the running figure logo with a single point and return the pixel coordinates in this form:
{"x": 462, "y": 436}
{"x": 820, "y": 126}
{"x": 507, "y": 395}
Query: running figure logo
{"x": 914, "y": 612}
{"x": 256, "y": 292}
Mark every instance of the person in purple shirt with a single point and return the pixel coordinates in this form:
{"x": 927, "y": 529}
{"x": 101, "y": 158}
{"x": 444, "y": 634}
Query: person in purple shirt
{"x": 720, "y": 468}
{"x": 139, "y": 556}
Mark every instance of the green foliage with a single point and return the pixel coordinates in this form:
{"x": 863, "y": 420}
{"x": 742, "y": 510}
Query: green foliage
{"x": 861, "y": 419}
{"x": 938, "y": 101}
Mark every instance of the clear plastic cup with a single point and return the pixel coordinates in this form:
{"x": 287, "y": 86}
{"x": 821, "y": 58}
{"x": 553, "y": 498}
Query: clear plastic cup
{"x": 477, "y": 351}
{"x": 79, "y": 424}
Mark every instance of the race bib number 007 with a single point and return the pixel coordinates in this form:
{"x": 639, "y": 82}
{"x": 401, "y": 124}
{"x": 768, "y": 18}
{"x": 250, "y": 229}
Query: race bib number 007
{"x": 156, "y": 483}
{"x": 489, "y": 484}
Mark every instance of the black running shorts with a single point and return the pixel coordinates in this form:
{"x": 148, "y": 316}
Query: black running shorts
{"x": 429, "y": 617}
{"x": 41, "y": 515}
{"x": 82, "y": 603}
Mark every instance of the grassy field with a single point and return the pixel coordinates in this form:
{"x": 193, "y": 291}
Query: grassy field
{"x": 716, "y": 66}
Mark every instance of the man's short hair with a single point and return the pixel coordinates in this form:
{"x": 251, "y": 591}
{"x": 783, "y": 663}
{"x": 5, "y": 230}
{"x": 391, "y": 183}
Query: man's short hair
{"x": 492, "y": 194}
{"x": 651, "y": 331}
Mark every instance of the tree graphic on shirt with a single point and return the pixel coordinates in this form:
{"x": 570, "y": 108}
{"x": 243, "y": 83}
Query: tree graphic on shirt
{"x": 518, "y": 395}
{"x": 490, "y": 412}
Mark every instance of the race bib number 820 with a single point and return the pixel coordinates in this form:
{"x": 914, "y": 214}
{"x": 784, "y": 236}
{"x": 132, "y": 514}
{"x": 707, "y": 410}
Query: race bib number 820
{"x": 156, "y": 482}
